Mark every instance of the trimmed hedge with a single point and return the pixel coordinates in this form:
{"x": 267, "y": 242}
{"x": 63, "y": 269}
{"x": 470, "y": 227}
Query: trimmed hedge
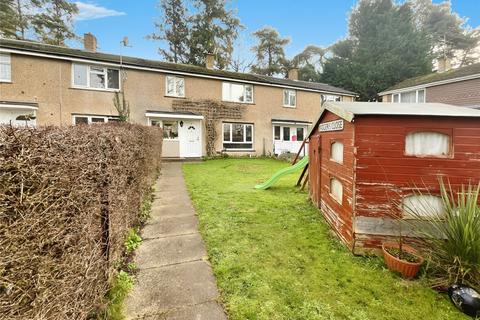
{"x": 67, "y": 199}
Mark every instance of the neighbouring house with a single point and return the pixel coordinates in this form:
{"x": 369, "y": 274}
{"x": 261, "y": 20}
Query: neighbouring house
{"x": 459, "y": 86}
{"x": 366, "y": 160}
{"x": 202, "y": 110}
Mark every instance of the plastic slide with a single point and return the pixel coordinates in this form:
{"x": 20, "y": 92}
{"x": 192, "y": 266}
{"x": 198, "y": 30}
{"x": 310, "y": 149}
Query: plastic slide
{"x": 280, "y": 173}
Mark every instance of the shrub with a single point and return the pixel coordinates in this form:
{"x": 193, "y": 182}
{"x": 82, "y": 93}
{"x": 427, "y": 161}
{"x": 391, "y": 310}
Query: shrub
{"x": 451, "y": 239}
{"x": 68, "y": 197}
{"x": 122, "y": 284}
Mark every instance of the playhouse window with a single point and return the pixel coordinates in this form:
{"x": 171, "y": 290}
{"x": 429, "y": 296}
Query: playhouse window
{"x": 427, "y": 144}
{"x": 418, "y": 206}
{"x": 336, "y": 190}
{"x": 336, "y": 152}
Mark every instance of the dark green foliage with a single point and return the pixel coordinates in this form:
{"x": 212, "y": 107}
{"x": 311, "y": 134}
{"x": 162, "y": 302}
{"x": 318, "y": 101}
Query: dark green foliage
{"x": 447, "y": 33}
{"x": 269, "y": 52}
{"x": 212, "y": 28}
{"x": 310, "y": 63}
{"x": 174, "y": 29}
{"x": 383, "y": 48}
{"x": 55, "y": 24}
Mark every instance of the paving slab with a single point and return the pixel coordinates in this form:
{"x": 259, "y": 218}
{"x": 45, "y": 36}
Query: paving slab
{"x": 161, "y": 211}
{"x": 174, "y": 280}
{"x": 162, "y": 289}
{"x": 170, "y": 250}
{"x": 203, "y": 311}
{"x": 171, "y": 227}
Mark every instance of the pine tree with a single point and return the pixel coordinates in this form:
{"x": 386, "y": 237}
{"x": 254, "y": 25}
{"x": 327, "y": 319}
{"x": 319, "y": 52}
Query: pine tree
{"x": 269, "y": 52}
{"x": 16, "y": 17}
{"x": 8, "y": 19}
{"x": 310, "y": 63}
{"x": 174, "y": 29}
{"x": 384, "y": 47}
{"x": 448, "y": 34}
{"x": 214, "y": 29}
{"x": 55, "y": 24}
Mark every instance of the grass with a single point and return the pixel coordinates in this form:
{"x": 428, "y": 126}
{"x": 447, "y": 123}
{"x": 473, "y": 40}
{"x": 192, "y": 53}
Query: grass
{"x": 274, "y": 257}
{"x": 122, "y": 284}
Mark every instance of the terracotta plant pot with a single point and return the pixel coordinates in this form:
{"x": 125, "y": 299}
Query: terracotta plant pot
{"x": 407, "y": 269}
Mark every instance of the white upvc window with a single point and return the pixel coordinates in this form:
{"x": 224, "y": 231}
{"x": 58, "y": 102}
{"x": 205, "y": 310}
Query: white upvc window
{"x": 95, "y": 77}
{"x": 289, "y": 98}
{"x": 5, "y": 67}
{"x": 330, "y": 97}
{"x": 170, "y": 128}
{"x": 237, "y": 92}
{"x": 237, "y": 136}
{"x": 91, "y": 119}
{"x": 175, "y": 86}
{"x": 413, "y": 96}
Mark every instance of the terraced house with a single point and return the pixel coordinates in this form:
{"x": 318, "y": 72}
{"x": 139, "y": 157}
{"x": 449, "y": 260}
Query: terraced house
{"x": 200, "y": 109}
{"x": 460, "y": 86}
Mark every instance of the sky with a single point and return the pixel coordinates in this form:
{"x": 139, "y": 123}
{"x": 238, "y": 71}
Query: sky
{"x": 319, "y": 22}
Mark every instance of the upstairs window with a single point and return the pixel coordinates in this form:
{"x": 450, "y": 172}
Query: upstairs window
{"x": 336, "y": 152}
{"x": 175, "y": 86}
{"x": 5, "y": 67}
{"x": 289, "y": 98}
{"x": 95, "y": 77}
{"x": 414, "y": 96}
{"x": 235, "y": 92}
{"x": 427, "y": 144}
{"x": 330, "y": 97}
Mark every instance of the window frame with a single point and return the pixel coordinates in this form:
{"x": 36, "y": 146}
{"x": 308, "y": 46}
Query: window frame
{"x": 408, "y": 215}
{"x": 447, "y": 132}
{"x": 244, "y": 85}
{"x": 339, "y": 201}
{"x": 289, "y": 92}
{"x": 91, "y": 116}
{"x": 105, "y": 73}
{"x": 325, "y": 98}
{"x": 332, "y": 142}
{"x": 399, "y": 94}
{"x": 237, "y": 142}
{"x": 175, "y": 94}
{"x": 9, "y": 64}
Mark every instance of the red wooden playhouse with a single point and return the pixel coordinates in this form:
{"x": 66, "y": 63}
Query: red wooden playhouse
{"x": 367, "y": 158}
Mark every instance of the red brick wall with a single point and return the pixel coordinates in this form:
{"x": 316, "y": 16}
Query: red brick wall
{"x": 463, "y": 93}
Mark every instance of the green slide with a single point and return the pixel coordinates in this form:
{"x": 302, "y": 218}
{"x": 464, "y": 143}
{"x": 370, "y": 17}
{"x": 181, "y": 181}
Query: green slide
{"x": 280, "y": 173}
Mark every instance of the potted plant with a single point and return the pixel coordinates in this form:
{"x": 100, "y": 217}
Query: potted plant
{"x": 400, "y": 257}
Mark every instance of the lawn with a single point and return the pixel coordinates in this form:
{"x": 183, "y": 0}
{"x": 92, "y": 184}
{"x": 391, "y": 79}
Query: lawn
{"x": 275, "y": 258}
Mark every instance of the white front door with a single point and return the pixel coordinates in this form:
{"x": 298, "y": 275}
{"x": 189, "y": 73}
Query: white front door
{"x": 190, "y": 137}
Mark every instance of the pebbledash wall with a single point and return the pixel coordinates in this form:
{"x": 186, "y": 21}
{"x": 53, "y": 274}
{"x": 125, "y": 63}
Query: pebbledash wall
{"x": 47, "y": 81}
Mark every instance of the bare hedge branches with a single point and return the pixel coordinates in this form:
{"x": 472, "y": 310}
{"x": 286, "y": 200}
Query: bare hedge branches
{"x": 67, "y": 198}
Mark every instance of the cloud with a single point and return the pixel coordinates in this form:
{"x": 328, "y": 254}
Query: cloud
{"x": 90, "y": 11}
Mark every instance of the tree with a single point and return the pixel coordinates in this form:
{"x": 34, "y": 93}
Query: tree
{"x": 384, "y": 47}
{"x": 174, "y": 29}
{"x": 16, "y": 17}
{"x": 55, "y": 24}
{"x": 214, "y": 29}
{"x": 310, "y": 63}
{"x": 448, "y": 34}
{"x": 269, "y": 52}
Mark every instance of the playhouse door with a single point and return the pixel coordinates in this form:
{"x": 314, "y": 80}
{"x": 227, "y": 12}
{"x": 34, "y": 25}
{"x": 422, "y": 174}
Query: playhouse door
{"x": 315, "y": 168}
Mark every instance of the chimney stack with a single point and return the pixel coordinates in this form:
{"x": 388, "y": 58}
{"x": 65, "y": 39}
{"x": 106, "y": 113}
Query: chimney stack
{"x": 293, "y": 74}
{"x": 209, "y": 60}
{"x": 89, "y": 42}
{"x": 444, "y": 64}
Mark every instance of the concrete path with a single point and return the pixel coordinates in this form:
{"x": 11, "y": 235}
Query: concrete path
{"x": 174, "y": 280}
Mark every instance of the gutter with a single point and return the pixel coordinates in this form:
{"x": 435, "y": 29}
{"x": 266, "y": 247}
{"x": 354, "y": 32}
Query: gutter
{"x": 160, "y": 70}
